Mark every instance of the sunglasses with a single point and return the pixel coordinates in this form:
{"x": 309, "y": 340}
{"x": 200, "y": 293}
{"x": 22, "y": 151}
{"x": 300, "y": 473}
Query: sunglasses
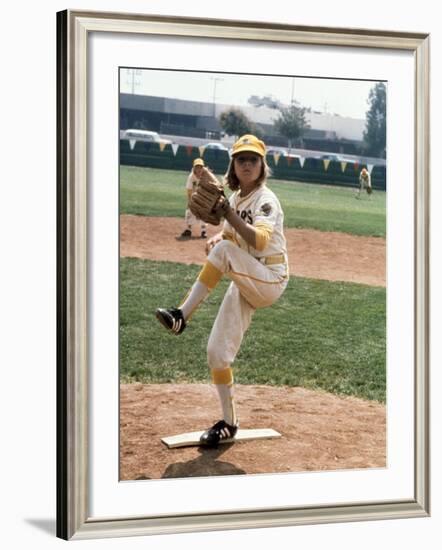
{"x": 242, "y": 159}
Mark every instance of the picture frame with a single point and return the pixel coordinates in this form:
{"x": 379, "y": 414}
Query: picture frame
{"x": 75, "y": 519}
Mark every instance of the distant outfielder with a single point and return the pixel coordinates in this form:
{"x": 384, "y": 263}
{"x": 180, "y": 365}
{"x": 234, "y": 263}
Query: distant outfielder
{"x": 364, "y": 182}
{"x": 251, "y": 251}
{"x": 191, "y": 183}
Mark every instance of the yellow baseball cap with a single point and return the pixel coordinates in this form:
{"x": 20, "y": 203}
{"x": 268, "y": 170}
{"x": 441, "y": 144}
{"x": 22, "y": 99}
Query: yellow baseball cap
{"x": 198, "y": 162}
{"x": 249, "y": 143}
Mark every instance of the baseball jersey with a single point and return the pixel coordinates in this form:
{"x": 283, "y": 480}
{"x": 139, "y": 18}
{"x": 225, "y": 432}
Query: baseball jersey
{"x": 262, "y": 209}
{"x": 192, "y": 181}
{"x": 365, "y": 179}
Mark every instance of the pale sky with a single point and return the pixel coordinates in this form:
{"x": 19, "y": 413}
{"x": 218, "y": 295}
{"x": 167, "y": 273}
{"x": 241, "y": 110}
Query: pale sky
{"x": 343, "y": 97}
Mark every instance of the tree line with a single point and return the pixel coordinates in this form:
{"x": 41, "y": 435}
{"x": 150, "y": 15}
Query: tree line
{"x": 292, "y": 123}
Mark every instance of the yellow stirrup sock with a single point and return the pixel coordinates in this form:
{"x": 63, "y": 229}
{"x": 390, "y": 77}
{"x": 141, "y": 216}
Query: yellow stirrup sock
{"x": 207, "y": 280}
{"x": 210, "y": 275}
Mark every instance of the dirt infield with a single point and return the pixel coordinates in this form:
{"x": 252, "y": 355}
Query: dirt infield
{"x": 319, "y": 431}
{"x": 314, "y": 254}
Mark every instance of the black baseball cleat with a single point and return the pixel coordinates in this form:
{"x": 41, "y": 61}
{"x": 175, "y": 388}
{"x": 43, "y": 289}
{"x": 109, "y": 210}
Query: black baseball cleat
{"x": 221, "y": 431}
{"x": 187, "y": 233}
{"x": 172, "y": 319}
{"x": 203, "y": 234}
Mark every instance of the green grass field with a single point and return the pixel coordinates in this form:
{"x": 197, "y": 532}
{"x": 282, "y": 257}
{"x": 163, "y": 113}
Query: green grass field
{"x": 154, "y": 192}
{"x": 319, "y": 335}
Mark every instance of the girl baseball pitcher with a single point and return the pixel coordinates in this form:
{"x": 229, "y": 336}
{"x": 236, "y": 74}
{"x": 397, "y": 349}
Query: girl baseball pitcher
{"x": 251, "y": 251}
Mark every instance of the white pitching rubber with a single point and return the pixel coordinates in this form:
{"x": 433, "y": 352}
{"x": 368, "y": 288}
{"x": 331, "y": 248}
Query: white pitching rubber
{"x": 193, "y": 438}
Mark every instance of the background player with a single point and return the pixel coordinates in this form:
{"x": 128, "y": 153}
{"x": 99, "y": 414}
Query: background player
{"x": 251, "y": 251}
{"x": 364, "y": 183}
{"x": 191, "y": 184}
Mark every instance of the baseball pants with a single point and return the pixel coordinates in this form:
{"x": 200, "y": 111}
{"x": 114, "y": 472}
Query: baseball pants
{"x": 254, "y": 285}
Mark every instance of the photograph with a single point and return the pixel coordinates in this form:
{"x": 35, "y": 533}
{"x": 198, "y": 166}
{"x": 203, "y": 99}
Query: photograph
{"x": 252, "y": 281}
{"x": 229, "y": 334}
{"x": 242, "y": 282}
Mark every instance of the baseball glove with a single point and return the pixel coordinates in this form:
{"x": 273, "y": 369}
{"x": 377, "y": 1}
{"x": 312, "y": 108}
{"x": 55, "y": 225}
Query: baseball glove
{"x": 208, "y": 203}
{"x": 369, "y": 190}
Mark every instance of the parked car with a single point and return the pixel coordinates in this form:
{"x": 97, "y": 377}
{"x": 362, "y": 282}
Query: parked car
{"x": 145, "y": 135}
{"x": 216, "y": 146}
{"x": 272, "y": 151}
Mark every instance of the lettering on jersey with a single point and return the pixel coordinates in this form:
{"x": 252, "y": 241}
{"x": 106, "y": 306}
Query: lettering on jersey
{"x": 245, "y": 215}
{"x": 266, "y": 209}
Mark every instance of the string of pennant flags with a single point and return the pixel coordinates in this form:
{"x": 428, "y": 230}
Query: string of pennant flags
{"x": 276, "y": 156}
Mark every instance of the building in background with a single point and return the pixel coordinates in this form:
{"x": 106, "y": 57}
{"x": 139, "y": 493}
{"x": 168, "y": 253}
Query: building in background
{"x": 177, "y": 117}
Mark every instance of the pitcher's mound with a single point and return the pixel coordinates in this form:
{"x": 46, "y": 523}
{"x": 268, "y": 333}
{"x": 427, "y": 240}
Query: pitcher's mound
{"x": 320, "y": 431}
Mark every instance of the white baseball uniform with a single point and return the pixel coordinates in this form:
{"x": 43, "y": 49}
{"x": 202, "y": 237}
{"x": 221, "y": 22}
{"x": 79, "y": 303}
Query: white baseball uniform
{"x": 258, "y": 277}
{"x": 364, "y": 180}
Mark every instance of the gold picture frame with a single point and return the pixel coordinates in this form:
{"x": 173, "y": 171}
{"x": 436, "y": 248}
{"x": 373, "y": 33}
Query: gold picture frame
{"x": 74, "y": 520}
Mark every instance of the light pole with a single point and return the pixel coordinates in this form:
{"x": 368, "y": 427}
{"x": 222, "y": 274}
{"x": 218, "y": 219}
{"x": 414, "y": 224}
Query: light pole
{"x": 293, "y": 90}
{"x": 215, "y": 79}
{"x": 134, "y": 81}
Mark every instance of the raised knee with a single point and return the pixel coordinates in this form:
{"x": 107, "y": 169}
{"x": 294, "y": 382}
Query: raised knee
{"x": 221, "y": 252}
{"x": 222, "y": 246}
